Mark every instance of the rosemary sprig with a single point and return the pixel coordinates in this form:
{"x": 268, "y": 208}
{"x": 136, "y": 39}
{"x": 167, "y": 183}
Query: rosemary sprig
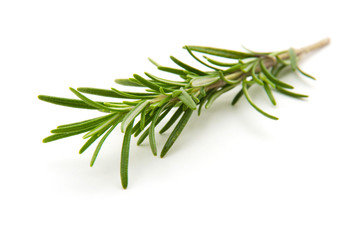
{"x": 141, "y": 112}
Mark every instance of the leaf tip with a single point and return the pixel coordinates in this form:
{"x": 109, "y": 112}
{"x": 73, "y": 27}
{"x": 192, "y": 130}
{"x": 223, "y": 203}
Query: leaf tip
{"x": 124, "y": 184}
{"x": 153, "y": 62}
{"x": 81, "y": 89}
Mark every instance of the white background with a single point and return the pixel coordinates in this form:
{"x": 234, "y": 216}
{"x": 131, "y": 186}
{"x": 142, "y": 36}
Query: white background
{"x": 232, "y": 174}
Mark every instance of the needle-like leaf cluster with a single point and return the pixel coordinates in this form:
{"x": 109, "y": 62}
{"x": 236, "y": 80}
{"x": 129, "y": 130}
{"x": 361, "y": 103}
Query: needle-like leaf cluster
{"x": 139, "y": 112}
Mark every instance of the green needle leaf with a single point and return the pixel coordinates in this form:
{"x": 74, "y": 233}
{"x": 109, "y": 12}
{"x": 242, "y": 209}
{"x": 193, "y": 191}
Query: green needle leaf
{"x": 174, "y": 117}
{"x": 67, "y": 102}
{"x": 99, "y": 146}
{"x": 204, "y": 99}
{"x": 90, "y": 102}
{"x": 83, "y": 124}
{"x": 149, "y": 84}
{"x": 131, "y": 115}
{"x": 273, "y": 78}
{"x": 143, "y": 136}
{"x": 172, "y": 70}
{"x": 187, "y": 67}
{"x": 99, "y": 92}
{"x": 222, "y": 77}
{"x": 129, "y": 82}
{"x": 153, "y": 62}
{"x": 90, "y": 142}
{"x": 305, "y": 74}
{"x": 58, "y": 136}
{"x": 127, "y": 95}
{"x": 236, "y": 67}
{"x": 104, "y": 125}
{"x": 176, "y": 93}
{"x": 277, "y": 69}
{"x": 143, "y": 119}
{"x": 237, "y": 97}
{"x": 217, "y": 94}
{"x": 294, "y": 63}
{"x": 254, "y": 76}
{"x": 165, "y": 81}
{"x": 55, "y": 137}
{"x": 247, "y": 67}
{"x": 85, "y": 127}
{"x": 240, "y": 93}
{"x": 152, "y": 131}
{"x": 220, "y": 52}
{"x": 253, "y": 104}
{"x": 197, "y": 59}
{"x": 176, "y": 132}
{"x": 187, "y": 99}
{"x": 204, "y": 81}
{"x": 146, "y": 132}
{"x": 202, "y": 102}
{"x": 137, "y": 128}
{"x": 146, "y": 83}
{"x": 202, "y": 92}
{"x": 282, "y": 62}
{"x": 218, "y": 63}
{"x": 291, "y": 94}
{"x": 269, "y": 93}
{"x": 125, "y": 155}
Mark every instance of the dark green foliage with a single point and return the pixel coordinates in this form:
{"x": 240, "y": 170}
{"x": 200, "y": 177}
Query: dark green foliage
{"x": 176, "y": 131}
{"x": 125, "y": 155}
{"x": 193, "y": 88}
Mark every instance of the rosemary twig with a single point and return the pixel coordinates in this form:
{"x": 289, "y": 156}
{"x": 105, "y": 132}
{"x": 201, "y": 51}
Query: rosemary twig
{"x": 140, "y": 112}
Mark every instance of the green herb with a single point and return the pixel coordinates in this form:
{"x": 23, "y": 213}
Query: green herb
{"x": 194, "y": 89}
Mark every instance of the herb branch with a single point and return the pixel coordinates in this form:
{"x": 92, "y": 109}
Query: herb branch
{"x": 140, "y": 112}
